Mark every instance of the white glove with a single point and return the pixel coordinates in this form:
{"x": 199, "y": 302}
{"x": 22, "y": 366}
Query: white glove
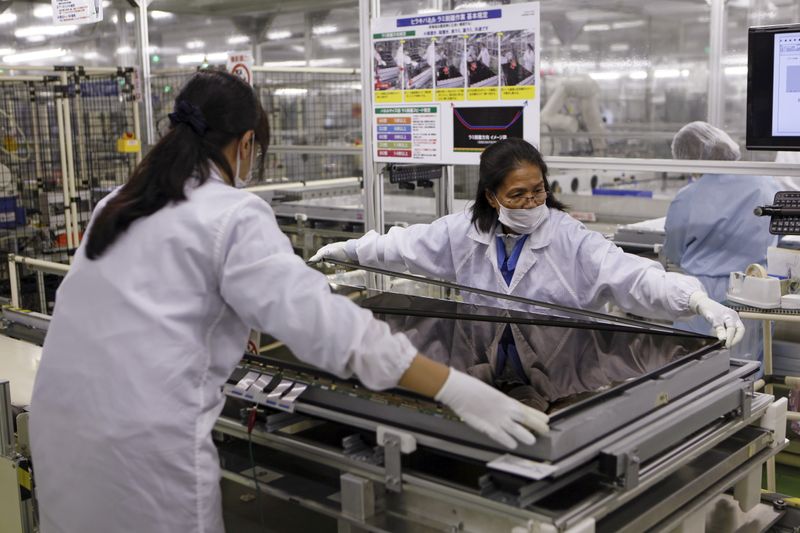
{"x": 726, "y": 322}
{"x": 490, "y": 411}
{"x": 335, "y": 250}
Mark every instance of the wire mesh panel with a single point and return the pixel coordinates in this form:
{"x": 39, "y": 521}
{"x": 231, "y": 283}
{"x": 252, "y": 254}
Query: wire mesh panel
{"x": 104, "y": 135}
{"x": 32, "y": 173}
{"x": 311, "y": 109}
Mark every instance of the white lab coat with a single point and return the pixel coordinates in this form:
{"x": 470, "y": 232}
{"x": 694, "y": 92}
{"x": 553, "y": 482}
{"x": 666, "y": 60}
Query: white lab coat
{"x": 430, "y": 55}
{"x": 483, "y": 57}
{"x": 528, "y": 60}
{"x": 142, "y": 341}
{"x": 561, "y": 262}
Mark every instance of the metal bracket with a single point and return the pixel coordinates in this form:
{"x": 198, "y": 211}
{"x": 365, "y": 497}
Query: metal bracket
{"x": 631, "y": 477}
{"x": 395, "y": 443}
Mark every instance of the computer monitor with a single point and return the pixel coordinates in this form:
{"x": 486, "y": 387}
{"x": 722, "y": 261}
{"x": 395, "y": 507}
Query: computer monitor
{"x": 773, "y": 88}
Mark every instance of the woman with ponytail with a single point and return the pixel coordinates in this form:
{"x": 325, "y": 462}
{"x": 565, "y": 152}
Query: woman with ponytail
{"x": 177, "y": 266}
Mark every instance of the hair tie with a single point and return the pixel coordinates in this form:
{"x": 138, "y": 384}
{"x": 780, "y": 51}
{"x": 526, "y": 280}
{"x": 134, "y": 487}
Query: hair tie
{"x": 187, "y": 113}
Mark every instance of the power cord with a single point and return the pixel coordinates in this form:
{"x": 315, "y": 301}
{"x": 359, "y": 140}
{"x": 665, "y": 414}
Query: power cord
{"x": 252, "y": 413}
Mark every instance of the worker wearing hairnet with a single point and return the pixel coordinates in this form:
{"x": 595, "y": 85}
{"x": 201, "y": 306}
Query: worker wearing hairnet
{"x": 177, "y": 267}
{"x": 711, "y": 230}
{"x": 518, "y": 240}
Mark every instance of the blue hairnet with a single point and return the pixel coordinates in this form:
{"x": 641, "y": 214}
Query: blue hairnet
{"x": 701, "y": 140}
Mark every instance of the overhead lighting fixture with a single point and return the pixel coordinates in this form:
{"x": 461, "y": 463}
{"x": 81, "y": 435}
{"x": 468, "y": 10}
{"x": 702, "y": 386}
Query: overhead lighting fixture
{"x": 638, "y": 75}
{"x": 91, "y": 55}
{"x": 238, "y": 39}
{"x": 124, "y": 50}
{"x": 330, "y": 62}
{"x": 736, "y": 71}
{"x": 278, "y": 35}
{"x": 6, "y": 51}
{"x": 44, "y": 31}
{"x": 36, "y": 39}
{"x": 188, "y": 59}
{"x": 619, "y": 47}
{"x": 324, "y": 30}
{"x": 685, "y": 73}
{"x": 43, "y": 12}
{"x": 580, "y": 47}
{"x": 7, "y": 17}
{"x": 299, "y": 48}
{"x": 129, "y": 17}
{"x": 596, "y": 27}
{"x": 34, "y": 55}
{"x": 160, "y": 15}
{"x": 195, "y": 45}
{"x": 280, "y": 64}
{"x": 106, "y": 3}
{"x": 627, "y": 24}
{"x": 667, "y": 73}
{"x": 339, "y": 42}
{"x": 115, "y": 19}
{"x": 67, "y": 59}
{"x": 291, "y": 91}
{"x": 605, "y": 76}
{"x": 472, "y": 5}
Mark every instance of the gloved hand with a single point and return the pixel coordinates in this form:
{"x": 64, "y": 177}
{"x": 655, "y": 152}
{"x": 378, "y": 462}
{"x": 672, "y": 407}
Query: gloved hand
{"x": 726, "y": 322}
{"x": 335, "y": 250}
{"x": 491, "y": 412}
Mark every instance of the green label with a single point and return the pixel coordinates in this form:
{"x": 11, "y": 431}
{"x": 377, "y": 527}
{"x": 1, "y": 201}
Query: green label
{"x": 394, "y": 34}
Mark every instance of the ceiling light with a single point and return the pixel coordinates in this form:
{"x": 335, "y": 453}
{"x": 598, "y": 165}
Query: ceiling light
{"x": 580, "y": 47}
{"x": 667, "y": 73}
{"x": 160, "y": 15}
{"x": 36, "y": 39}
{"x": 290, "y": 91}
{"x": 124, "y": 50}
{"x": 277, "y": 35}
{"x": 685, "y": 73}
{"x": 338, "y": 43}
{"x": 202, "y": 58}
{"x": 626, "y": 24}
{"x": 195, "y": 45}
{"x": 34, "y": 55}
{"x": 106, "y": 3}
{"x": 323, "y": 30}
{"x": 67, "y": 59}
{"x": 6, "y": 51}
{"x": 115, "y": 19}
{"x": 736, "y": 71}
{"x": 238, "y": 39}
{"x": 299, "y": 48}
{"x": 332, "y": 61}
{"x": 604, "y": 76}
{"x": 596, "y": 27}
{"x": 91, "y": 55}
{"x": 7, "y": 17}
{"x": 638, "y": 75}
{"x": 620, "y": 47}
{"x": 129, "y": 17}
{"x": 48, "y": 31}
{"x": 43, "y": 11}
{"x": 279, "y": 64}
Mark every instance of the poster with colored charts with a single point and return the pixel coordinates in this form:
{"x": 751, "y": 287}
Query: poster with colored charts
{"x": 478, "y": 67}
{"x": 407, "y": 134}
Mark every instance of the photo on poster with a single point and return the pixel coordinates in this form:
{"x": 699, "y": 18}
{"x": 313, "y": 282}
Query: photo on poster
{"x": 387, "y": 72}
{"x": 518, "y": 58}
{"x": 419, "y": 58}
{"x": 452, "y": 62}
{"x": 482, "y": 60}
{"x": 475, "y": 128}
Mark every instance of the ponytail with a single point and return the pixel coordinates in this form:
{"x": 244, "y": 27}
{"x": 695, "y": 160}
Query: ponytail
{"x": 213, "y": 109}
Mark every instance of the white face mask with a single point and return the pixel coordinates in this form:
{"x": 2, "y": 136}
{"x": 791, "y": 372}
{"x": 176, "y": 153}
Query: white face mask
{"x": 241, "y": 183}
{"x": 523, "y": 221}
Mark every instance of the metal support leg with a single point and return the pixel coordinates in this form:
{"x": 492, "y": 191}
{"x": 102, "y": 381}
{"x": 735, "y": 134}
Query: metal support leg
{"x": 6, "y": 421}
{"x": 767, "y": 330}
{"x": 358, "y": 501}
{"x": 40, "y": 290}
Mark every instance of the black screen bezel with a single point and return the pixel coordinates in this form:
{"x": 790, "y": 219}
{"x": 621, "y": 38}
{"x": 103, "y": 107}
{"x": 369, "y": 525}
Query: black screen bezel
{"x": 760, "y": 63}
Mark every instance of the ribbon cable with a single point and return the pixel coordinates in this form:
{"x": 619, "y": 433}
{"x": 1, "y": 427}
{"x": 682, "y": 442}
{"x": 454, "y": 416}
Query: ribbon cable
{"x": 583, "y": 312}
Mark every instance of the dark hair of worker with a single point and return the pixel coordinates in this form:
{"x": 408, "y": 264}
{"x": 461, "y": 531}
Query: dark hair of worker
{"x": 497, "y": 161}
{"x": 212, "y": 110}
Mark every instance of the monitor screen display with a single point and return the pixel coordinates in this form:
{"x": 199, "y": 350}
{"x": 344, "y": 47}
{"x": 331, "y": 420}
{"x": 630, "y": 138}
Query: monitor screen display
{"x": 773, "y": 88}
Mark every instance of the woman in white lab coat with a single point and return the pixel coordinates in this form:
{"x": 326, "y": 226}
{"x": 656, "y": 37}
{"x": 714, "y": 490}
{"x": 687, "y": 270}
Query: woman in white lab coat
{"x": 177, "y": 267}
{"x": 516, "y": 239}
{"x": 529, "y": 58}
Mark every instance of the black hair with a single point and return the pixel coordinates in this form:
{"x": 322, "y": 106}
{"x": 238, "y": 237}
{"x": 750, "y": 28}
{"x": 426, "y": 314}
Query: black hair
{"x": 497, "y": 161}
{"x": 213, "y": 109}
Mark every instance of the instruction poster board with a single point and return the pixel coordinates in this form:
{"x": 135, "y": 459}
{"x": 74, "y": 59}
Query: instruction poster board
{"x": 77, "y": 11}
{"x": 474, "y": 73}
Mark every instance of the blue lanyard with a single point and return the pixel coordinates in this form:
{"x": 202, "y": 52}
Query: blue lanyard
{"x": 508, "y": 264}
